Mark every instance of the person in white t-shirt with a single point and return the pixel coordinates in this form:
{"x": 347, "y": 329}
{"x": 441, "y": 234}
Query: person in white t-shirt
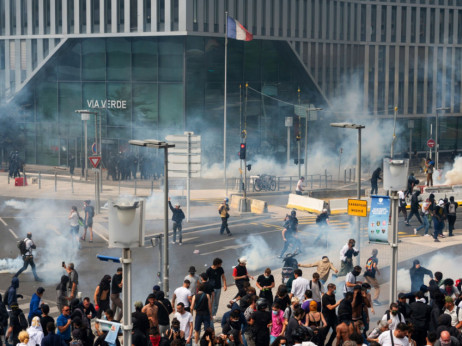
{"x": 300, "y": 186}
{"x": 299, "y": 285}
{"x": 399, "y": 336}
{"x": 393, "y": 316}
{"x": 183, "y": 294}
{"x": 186, "y": 322}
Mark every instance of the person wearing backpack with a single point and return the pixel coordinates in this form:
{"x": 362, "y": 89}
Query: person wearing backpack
{"x": 11, "y": 297}
{"x": 451, "y": 209}
{"x": 25, "y": 247}
{"x": 3, "y": 319}
{"x": 393, "y": 316}
{"x": 89, "y": 212}
{"x": 18, "y": 322}
{"x": 317, "y": 289}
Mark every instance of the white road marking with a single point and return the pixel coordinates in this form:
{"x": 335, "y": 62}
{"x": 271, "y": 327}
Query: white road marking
{"x": 53, "y": 228}
{"x": 12, "y": 232}
{"x": 101, "y": 229}
{"x": 4, "y": 223}
{"x": 230, "y": 247}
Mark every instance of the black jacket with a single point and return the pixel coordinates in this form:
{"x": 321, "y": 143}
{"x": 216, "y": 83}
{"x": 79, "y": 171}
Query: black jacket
{"x": 420, "y": 315}
{"x": 178, "y": 214}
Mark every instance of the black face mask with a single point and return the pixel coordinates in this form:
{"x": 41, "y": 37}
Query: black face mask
{"x": 355, "y": 273}
{"x": 394, "y": 313}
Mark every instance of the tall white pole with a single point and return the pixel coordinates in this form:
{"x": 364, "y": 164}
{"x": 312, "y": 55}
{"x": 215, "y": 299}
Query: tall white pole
{"x": 86, "y": 152}
{"x": 225, "y": 102}
{"x": 127, "y": 296}
{"x": 394, "y": 246}
{"x": 288, "y": 146}
{"x": 188, "y": 178}
{"x": 358, "y": 179}
{"x": 165, "y": 254}
{"x": 306, "y": 142}
{"x": 436, "y": 142}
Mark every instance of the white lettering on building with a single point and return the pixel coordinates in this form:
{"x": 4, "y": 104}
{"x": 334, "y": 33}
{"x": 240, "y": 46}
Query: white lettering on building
{"x": 108, "y": 104}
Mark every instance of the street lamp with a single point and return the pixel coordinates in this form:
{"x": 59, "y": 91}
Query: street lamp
{"x": 306, "y": 136}
{"x": 442, "y": 109}
{"x": 85, "y": 115}
{"x": 358, "y": 171}
{"x": 153, "y": 143}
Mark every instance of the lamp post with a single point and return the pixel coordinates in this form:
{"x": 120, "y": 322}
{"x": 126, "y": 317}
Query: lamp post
{"x": 437, "y": 156}
{"x": 358, "y": 173}
{"x": 85, "y": 115}
{"x": 306, "y": 136}
{"x": 153, "y": 143}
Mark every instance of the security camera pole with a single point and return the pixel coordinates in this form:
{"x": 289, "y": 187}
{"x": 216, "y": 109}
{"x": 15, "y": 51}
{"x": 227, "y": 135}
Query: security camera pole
{"x": 153, "y": 143}
{"x": 358, "y": 175}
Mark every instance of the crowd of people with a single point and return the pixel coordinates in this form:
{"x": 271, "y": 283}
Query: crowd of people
{"x": 261, "y": 313}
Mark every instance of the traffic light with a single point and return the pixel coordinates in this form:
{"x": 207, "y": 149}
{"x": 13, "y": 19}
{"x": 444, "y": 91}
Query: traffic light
{"x": 242, "y": 151}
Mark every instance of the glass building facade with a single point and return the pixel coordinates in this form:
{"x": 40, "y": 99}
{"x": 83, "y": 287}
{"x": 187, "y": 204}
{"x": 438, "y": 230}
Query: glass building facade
{"x": 151, "y": 87}
{"x": 165, "y": 59}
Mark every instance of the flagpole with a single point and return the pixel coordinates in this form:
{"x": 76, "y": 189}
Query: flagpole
{"x": 225, "y": 100}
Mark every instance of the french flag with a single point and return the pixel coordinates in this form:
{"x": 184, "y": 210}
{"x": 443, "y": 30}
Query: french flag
{"x": 237, "y": 31}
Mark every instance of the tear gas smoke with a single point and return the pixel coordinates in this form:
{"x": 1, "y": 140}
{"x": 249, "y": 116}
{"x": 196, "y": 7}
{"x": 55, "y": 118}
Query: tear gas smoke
{"x": 454, "y": 175}
{"x": 49, "y": 225}
{"x": 10, "y": 265}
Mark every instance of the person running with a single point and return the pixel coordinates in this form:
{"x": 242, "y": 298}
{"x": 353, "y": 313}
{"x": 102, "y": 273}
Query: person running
{"x": 28, "y": 257}
{"x": 88, "y": 221}
{"x": 177, "y": 218}
{"x": 346, "y": 257}
{"x": 223, "y": 210}
{"x": 402, "y": 204}
{"x": 424, "y": 213}
{"x": 370, "y": 272}
{"x": 323, "y": 268}
{"x": 74, "y": 224}
{"x": 289, "y": 233}
{"x": 415, "y": 208}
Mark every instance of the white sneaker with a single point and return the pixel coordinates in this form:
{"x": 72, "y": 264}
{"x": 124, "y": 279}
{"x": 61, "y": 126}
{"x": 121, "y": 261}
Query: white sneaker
{"x": 415, "y": 231}
{"x": 426, "y": 235}
{"x": 173, "y": 242}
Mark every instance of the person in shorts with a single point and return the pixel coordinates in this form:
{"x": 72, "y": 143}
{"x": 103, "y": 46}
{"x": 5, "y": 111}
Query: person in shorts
{"x": 202, "y": 305}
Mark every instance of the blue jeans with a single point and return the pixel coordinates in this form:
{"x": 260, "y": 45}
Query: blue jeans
{"x": 216, "y": 301}
{"x": 272, "y": 338}
{"x": 425, "y": 224}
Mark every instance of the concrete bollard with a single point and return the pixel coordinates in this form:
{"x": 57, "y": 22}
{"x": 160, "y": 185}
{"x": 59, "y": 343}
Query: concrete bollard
{"x": 135, "y": 186}
{"x": 152, "y": 186}
{"x": 72, "y": 183}
{"x": 56, "y": 181}
{"x": 119, "y": 186}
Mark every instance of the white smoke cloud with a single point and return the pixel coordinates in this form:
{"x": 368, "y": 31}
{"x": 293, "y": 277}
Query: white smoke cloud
{"x": 454, "y": 175}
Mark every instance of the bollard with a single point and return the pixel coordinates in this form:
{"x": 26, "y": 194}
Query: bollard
{"x": 135, "y": 186}
{"x": 354, "y": 173}
{"x": 344, "y": 176}
{"x": 8, "y": 178}
{"x": 56, "y": 181}
{"x": 349, "y": 178}
{"x": 152, "y": 186}
{"x": 72, "y": 183}
{"x": 40, "y": 180}
{"x": 119, "y": 186}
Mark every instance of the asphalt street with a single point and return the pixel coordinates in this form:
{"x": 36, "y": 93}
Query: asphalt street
{"x": 257, "y": 237}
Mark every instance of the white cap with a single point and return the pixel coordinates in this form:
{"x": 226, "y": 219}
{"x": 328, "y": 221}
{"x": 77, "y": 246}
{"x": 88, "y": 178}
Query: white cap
{"x": 243, "y": 260}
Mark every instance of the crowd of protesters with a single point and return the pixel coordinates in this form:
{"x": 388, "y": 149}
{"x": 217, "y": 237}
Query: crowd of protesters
{"x": 260, "y": 314}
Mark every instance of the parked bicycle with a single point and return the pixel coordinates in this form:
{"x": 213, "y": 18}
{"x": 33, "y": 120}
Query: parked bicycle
{"x": 264, "y": 182}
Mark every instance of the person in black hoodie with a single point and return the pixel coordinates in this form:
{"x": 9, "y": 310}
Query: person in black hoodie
{"x": 164, "y": 309}
{"x": 444, "y": 324}
{"x": 18, "y": 322}
{"x": 142, "y": 321}
{"x": 417, "y": 273}
{"x": 3, "y": 319}
{"x": 437, "y": 310}
{"x": 415, "y": 208}
{"x": 420, "y": 318}
{"x": 11, "y": 295}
